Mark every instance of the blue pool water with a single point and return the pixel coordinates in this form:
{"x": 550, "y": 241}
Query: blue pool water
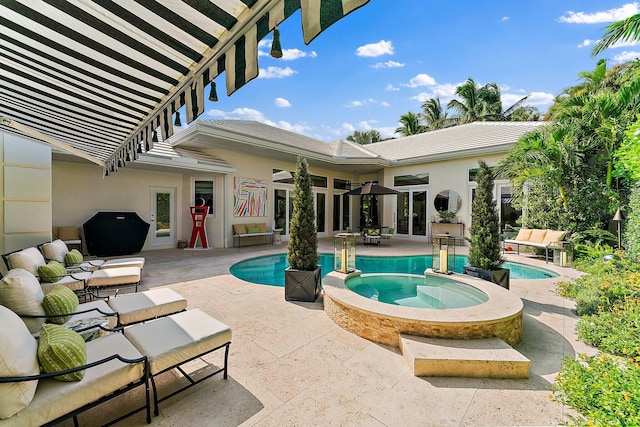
{"x": 269, "y": 270}
{"x": 409, "y": 290}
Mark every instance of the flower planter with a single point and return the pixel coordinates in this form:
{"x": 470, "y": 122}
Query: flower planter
{"x": 302, "y": 285}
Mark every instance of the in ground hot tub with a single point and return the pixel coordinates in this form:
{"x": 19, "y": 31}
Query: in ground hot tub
{"x": 499, "y": 316}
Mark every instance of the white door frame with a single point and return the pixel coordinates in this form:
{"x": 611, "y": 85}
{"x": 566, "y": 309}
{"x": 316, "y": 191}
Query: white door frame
{"x": 164, "y": 239}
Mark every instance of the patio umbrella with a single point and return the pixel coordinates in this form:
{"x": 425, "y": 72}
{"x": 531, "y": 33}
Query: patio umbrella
{"x": 371, "y": 189}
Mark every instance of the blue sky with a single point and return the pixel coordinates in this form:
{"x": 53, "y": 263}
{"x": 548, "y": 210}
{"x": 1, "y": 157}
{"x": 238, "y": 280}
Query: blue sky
{"x": 386, "y": 58}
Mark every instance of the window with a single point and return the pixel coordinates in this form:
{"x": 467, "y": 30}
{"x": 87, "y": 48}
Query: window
{"x": 204, "y": 194}
{"x": 420, "y": 179}
{"x": 286, "y": 177}
{"x": 340, "y": 184}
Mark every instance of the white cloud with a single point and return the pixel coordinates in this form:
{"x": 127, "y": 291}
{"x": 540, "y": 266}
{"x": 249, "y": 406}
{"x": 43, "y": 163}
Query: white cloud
{"x": 291, "y": 54}
{"x": 251, "y": 114}
{"x": 391, "y": 87}
{"x": 383, "y": 47}
{"x": 297, "y": 128}
{"x": 347, "y": 127}
{"x": 535, "y": 99}
{"x": 241, "y": 114}
{"x": 388, "y": 64}
{"x": 276, "y": 73}
{"x": 384, "y": 104}
{"x": 421, "y": 80}
{"x": 445, "y": 92}
{"x": 626, "y": 56}
{"x": 624, "y": 43}
{"x": 361, "y": 102}
{"x": 281, "y": 102}
{"x": 587, "y": 42}
{"x": 610, "y": 15}
{"x": 386, "y": 132}
{"x": 505, "y": 19}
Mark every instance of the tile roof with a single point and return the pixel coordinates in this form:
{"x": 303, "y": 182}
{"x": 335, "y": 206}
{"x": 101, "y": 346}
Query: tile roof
{"x": 473, "y": 137}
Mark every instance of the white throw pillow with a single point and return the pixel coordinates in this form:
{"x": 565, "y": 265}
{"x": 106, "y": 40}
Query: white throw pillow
{"x": 21, "y": 293}
{"x": 28, "y": 259}
{"x": 55, "y": 251}
{"x": 18, "y": 358}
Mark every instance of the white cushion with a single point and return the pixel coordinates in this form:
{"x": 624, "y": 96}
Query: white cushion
{"x": 114, "y": 277}
{"x": 124, "y": 262}
{"x": 141, "y": 306}
{"x": 55, "y": 250}
{"x": 21, "y": 293}
{"x": 183, "y": 336}
{"x": 18, "y": 357}
{"x": 57, "y": 398}
{"x": 28, "y": 259}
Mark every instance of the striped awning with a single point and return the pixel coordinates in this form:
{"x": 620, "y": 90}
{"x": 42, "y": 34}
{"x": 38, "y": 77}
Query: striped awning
{"x": 99, "y": 77}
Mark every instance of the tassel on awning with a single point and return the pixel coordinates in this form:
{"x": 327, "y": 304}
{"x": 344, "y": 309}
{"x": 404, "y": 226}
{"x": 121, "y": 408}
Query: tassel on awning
{"x": 213, "y": 94}
{"x": 276, "y": 47}
{"x": 177, "y": 122}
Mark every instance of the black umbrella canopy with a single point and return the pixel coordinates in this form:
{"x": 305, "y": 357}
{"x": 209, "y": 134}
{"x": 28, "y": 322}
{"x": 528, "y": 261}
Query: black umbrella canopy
{"x": 371, "y": 189}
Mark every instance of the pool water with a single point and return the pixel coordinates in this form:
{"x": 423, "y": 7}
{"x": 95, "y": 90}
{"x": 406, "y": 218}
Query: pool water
{"x": 269, "y": 270}
{"x": 409, "y": 290}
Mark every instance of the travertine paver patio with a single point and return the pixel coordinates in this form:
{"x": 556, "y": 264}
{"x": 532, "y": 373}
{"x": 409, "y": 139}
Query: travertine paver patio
{"x": 292, "y": 366}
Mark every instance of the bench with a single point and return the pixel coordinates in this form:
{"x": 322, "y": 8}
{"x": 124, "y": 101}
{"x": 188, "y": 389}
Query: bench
{"x": 537, "y": 238}
{"x": 251, "y": 234}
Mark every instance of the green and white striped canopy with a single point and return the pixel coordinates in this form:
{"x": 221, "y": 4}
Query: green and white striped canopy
{"x": 97, "y": 77}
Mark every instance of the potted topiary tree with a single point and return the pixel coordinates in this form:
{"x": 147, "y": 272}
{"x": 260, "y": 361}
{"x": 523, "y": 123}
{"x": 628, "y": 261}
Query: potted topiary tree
{"x": 302, "y": 278}
{"x": 484, "y": 252}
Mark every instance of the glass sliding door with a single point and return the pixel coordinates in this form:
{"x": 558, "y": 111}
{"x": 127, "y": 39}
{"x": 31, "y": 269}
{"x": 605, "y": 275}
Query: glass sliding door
{"x": 411, "y": 213}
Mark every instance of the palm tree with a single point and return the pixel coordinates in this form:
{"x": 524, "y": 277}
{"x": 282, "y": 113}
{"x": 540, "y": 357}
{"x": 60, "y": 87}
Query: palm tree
{"x": 484, "y": 103}
{"x": 433, "y": 115}
{"x": 364, "y": 137}
{"x": 410, "y": 124}
{"x": 625, "y": 30}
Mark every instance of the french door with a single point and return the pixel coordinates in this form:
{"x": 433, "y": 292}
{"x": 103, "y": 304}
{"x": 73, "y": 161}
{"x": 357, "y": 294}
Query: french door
{"x": 163, "y": 216}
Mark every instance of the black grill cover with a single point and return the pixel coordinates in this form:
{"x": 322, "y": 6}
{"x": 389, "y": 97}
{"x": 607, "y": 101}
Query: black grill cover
{"x": 115, "y": 233}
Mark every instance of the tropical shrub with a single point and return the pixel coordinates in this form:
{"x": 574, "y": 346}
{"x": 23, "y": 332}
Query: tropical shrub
{"x": 604, "y": 389}
{"x": 631, "y": 236}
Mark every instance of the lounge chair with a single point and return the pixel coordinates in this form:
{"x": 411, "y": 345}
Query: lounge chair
{"x": 21, "y": 292}
{"x": 57, "y": 250}
{"x": 31, "y": 259}
{"x": 372, "y": 236}
{"x": 30, "y": 396}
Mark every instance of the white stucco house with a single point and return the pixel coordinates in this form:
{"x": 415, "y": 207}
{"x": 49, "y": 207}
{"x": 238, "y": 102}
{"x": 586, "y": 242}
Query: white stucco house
{"x": 225, "y": 163}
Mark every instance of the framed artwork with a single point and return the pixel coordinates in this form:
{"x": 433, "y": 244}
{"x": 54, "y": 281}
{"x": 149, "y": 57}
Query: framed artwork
{"x": 249, "y": 197}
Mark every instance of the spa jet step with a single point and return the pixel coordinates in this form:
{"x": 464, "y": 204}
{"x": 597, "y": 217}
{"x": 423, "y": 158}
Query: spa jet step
{"x": 480, "y": 358}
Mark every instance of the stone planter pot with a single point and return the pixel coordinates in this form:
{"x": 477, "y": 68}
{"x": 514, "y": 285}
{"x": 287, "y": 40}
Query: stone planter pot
{"x": 499, "y": 277}
{"x": 302, "y": 285}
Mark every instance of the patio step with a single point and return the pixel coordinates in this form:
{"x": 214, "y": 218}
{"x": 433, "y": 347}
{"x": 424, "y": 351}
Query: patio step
{"x": 479, "y": 358}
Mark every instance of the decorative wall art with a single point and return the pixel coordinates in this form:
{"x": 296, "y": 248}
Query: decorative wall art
{"x": 249, "y": 197}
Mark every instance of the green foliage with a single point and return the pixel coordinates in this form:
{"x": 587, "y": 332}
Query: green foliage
{"x": 484, "y": 251}
{"x": 303, "y": 240}
{"x": 631, "y": 234}
{"x": 364, "y": 137}
{"x": 603, "y": 388}
{"x": 616, "y": 331}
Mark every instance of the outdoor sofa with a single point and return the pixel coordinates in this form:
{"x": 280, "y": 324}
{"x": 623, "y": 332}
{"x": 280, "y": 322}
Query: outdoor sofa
{"x": 251, "y": 234}
{"x": 536, "y": 238}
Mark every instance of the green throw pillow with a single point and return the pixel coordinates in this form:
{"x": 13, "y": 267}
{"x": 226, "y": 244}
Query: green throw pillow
{"x": 51, "y": 272}
{"x": 373, "y": 232}
{"x": 73, "y": 258}
{"x": 59, "y": 349}
{"x": 60, "y": 300}
{"x": 252, "y": 230}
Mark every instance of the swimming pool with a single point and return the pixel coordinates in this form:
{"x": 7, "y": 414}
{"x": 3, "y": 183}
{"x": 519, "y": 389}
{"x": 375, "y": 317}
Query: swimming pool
{"x": 269, "y": 270}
